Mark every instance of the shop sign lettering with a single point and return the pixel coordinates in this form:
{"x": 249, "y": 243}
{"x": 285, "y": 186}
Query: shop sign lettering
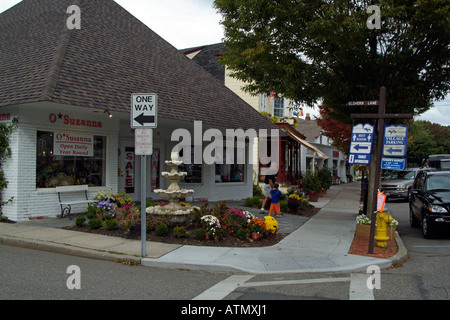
{"x": 73, "y": 144}
{"x": 67, "y": 120}
{"x": 5, "y": 117}
{"x": 129, "y": 169}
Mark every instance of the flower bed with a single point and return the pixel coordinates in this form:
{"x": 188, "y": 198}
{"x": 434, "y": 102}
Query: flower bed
{"x": 118, "y": 216}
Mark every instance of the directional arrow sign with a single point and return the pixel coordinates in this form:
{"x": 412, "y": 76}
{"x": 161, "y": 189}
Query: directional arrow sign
{"x": 144, "y": 110}
{"x": 395, "y": 141}
{"x": 142, "y": 119}
{"x": 361, "y": 144}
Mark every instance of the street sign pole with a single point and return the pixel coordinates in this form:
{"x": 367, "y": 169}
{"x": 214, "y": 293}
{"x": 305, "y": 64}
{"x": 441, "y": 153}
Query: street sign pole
{"x": 143, "y": 117}
{"x": 143, "y": 206}
{"x": 381, "y": 111}
{"x": 381, "y": 116}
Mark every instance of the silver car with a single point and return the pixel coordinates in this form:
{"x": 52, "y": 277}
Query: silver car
{"x": 397, "y": 184}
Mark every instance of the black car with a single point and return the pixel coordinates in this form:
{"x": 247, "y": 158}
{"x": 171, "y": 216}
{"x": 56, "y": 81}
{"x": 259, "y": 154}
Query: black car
{"x": 429, "y": 202}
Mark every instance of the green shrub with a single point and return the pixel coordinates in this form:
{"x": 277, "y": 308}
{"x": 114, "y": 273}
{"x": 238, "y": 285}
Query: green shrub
{"x": 111, "y": 224}
{"x": 180, "y": 232}
{"x": 254, "y": 202}
{"x": 257, "y": 191}
{"x": 242, "y": 234}
{"x": 199, "y": 234}
{"x": 91, "y": 211}
{"x": 95, "y": 223}
{"x": 284, "y": 205}
{"x": 162, "y": 230}
{"x": 79, "y": 222}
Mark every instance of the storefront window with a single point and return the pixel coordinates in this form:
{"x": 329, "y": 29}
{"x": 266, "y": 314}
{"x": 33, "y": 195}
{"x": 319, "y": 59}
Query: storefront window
{"x": 230, "y": 172}
{"x": 66, "y": 159}
{"x": 194, "y": 171}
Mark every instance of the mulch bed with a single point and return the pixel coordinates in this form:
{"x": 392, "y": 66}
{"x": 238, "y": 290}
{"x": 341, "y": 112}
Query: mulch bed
{"x": 227, "y": 241}
{"x": 360, "y": 246}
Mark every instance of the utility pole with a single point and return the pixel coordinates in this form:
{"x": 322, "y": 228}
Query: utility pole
{"x": 381, "y": 117}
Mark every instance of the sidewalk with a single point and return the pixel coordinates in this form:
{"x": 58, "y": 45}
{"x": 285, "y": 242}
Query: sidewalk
{"x": 320, "y": 244}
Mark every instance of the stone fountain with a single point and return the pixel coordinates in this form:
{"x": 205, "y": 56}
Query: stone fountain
{"x": 173, "y": 211}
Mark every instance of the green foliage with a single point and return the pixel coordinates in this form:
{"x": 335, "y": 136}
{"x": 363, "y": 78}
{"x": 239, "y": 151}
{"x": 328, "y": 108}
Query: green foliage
{"x": 325, "y": 176}
{"x": 425, "y": 139}
{"x": 95, "y": 223}
{"x": 254, "y": 202}
{"x": 311, "y": 183}
{"x": 180, "y": 232}
{"x": 111, "y": 224}
{"x": 79, "y": 221}
{"x": 257, "y": 191}
{"x": 162, "y": 230}
{"x": 242, "y": 234}
{"x": 5, "y": 152}
{"x": 91, "y": 211}
{"x": 199, "y": 234}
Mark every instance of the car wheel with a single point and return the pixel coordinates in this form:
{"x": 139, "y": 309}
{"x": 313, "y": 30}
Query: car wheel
{"x": 426, "y": 231}
{"x": 413, "y": 221}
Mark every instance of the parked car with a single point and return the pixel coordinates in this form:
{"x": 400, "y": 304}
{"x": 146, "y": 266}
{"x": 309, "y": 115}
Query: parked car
{"x": 429, "y": 203}
{"x": 439, "y": 161}
{"x": 397, "y": 184}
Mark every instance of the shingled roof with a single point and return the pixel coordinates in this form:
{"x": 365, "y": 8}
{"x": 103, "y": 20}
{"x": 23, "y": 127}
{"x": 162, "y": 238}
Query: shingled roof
{"x": 100, "y": 66}
{"x": 208, "y": 58}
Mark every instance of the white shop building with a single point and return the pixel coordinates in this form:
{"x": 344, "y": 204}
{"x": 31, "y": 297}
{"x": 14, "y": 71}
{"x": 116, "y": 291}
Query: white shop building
{"x": 71, "y": 92}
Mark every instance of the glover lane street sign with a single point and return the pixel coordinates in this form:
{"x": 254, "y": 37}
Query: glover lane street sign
{"x": 144, "y": 110}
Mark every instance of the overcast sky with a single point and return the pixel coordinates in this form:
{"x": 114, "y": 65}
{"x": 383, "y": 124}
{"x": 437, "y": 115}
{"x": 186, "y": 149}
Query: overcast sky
{"x": 190, "y": 23}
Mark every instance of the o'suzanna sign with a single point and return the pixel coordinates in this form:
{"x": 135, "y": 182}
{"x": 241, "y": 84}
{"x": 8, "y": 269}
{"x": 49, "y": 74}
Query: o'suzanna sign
{"x": 73, "y": 144}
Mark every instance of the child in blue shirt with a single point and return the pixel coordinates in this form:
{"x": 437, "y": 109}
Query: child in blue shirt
{"x": 276, "y": 195}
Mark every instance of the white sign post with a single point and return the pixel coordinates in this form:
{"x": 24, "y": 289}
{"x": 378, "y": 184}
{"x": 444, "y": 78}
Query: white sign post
{"x": 143, "y": 118}
{"x": 143, "y": 142}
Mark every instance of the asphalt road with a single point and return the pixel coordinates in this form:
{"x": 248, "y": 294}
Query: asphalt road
{"x": 29, "y": 274}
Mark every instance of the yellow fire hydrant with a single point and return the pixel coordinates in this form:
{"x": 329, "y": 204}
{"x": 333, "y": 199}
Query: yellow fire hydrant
{"x": 383, "y": 219}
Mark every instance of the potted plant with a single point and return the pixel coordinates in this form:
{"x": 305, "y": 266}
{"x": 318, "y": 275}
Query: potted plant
{"x": 294, "y": 202}
{"x": 257, "y": 228}
{"x": 311, "y": 186}
{"x": 363, "y": 225}
{"x": 391, "y": 228}
{"x": 325, "y": 176}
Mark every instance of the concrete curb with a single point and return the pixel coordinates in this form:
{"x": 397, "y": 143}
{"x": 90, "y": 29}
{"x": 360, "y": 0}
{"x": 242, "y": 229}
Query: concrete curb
{"x": 67, "y": 249}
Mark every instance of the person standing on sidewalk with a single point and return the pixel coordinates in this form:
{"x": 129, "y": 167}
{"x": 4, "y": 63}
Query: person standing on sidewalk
{"x": 275, "y": 205}
{"x": 268, "y": 186}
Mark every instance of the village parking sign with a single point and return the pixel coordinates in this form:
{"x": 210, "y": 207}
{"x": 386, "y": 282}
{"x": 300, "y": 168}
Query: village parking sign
{"x": 144, "y": 110}
{"x": 361, "y": 144}
{"x": 394, "y": 147}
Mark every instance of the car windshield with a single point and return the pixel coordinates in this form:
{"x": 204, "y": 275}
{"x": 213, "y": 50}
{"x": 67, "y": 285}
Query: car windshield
{"x": 438, "y": 182}
{"x": 403, "y": 175}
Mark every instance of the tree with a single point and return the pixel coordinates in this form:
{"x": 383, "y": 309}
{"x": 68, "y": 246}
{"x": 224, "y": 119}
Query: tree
{"x": 339, "y": 132}
{"x": 5, "y": 152}
{"x": 426, "y": 138}
{"x": 323, "y": 50}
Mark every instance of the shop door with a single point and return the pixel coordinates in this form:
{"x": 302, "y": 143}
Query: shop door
{"x": 130, "y": 172}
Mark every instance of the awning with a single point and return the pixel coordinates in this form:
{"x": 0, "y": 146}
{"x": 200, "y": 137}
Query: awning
{"x": 316, "y": 152}
{"x": 294, "y": 134}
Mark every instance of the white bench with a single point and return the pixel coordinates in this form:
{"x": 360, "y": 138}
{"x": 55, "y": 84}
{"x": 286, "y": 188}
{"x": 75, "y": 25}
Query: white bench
{"x": 66, "y": 205}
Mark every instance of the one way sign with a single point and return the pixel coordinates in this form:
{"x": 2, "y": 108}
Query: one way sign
{"x": 144, "y": 110}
